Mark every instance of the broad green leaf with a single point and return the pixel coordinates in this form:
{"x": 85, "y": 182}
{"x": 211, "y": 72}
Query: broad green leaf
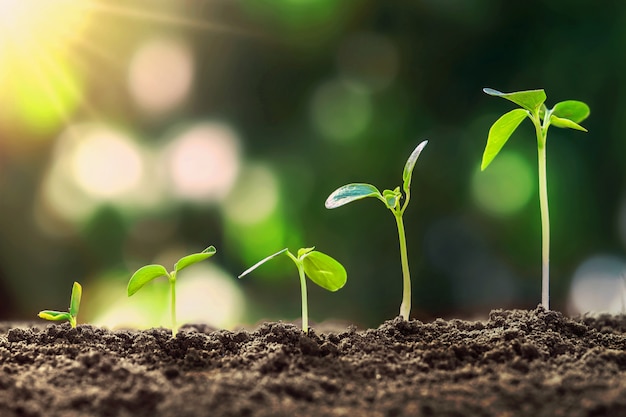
{"x": 576, "y": 111}
{"x": 531, "y": 100}
{"x": 565, "y": 123}
{"x": 392, "y": 197}
{"x": 500, "y": 132}
{"x": 184, "y": 262}
{"x": 54, "y": 315}
{"x": 261, "y": 262}
{"x": 304, "y": 251}
{"x": 351, "y": 192}
{"x": 324, "y": 271}
{"x": 144, "y": 275}
{"x": 410, "y": 164}
{"x": 77, "y": 293}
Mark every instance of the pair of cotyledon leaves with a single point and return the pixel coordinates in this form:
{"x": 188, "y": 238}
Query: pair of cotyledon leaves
{"x": 357, "y": 191}
{"x": 322, "y": 269}
{"x": 566, "y": 114}
{"x": 72, "y": 313}
{"x": 147, "y": 273}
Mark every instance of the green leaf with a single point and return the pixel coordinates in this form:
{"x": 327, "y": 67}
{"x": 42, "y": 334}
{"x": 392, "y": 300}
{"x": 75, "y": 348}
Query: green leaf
{"x": 351, "y": 192}
{"x": 144, "y": 275}
{"x": 303, "y": 251}
{"x": 500, "y": 132}
{"x": 261, "y": 262}
{"x": 185, "y": 261}
{"x": 77, "y": 293}
{"x": 565, "y": 123}
{"x": 576, "y": 111}
{"x": 324, "y": 271}
{"x": 54, "y": 315}
{"x": 410, "y": 164}
{"x": 392, "y": 197}
{"x": 530, "y": 100}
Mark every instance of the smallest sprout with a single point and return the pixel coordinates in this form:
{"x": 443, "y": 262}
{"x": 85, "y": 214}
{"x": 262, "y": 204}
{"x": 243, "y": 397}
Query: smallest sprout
{"x": 70, "y": 315}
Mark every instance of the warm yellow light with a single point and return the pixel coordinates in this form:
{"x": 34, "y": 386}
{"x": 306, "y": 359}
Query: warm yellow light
{"x": 35, "y": 38}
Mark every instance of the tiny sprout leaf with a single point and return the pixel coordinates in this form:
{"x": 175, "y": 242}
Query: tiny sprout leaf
{"x": 530, "y": 100}
{"x": 392, "y": 197}
{"x": 303, "y": 251}
{"x": 500, "y": 132}
{"x": 77, "y": 293}
{"x": 576, "y": 111}
{"x": 144, "y": 275}
{"x": 410, "y": 164}
{"x": 351, "y": 192}
{"x": 54, "y": 315}
{"x": 565, "y": 123}
{"x": 324, "y": 271}
{"x": 261, "y": 262}
{"x": 185, "y": 261}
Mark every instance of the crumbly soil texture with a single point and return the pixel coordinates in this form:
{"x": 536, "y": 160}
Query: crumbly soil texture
{"x": 516, "y": 363}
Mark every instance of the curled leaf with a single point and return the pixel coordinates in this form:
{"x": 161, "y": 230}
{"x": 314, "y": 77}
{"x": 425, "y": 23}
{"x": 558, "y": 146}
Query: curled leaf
{"x": 351, "y": 192}
{"x": 261, "y": 262}
{"x": 77, "y": 293}
{"x": 410, "y": 164}
{"x": 185, "y": 261}
{"x": 144, "y": 275}
{"x": 500, "y": 132}
{"x": 565, "y": 123}
{"x": 324, "y": 271}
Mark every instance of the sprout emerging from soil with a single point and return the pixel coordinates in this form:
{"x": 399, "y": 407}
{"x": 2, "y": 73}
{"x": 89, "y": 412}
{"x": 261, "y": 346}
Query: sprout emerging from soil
{"x": 147, "y": 273}
{"x": 72, "y": 313}
{"x": 319, "y": 267}
{"x": 566, "y": 114}
{"x": 391, "y": 198}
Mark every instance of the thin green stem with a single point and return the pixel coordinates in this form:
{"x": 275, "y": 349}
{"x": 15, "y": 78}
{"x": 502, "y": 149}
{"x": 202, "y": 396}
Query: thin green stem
{"x": 405, "y": 307}
{"x": 172, "y": 280}
{"x": 545, "y": 229}
{"x": 305, "y": 304}
{"x": 541, "y": 132}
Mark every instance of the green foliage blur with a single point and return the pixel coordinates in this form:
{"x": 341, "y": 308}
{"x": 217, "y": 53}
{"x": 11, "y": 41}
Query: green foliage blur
{"x": 304, "y": 97}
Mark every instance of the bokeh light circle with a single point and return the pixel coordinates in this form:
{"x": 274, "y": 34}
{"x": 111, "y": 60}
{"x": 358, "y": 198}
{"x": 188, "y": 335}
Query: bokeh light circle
{"x": 505, "y": 187}
{"x": 598, "y": 285}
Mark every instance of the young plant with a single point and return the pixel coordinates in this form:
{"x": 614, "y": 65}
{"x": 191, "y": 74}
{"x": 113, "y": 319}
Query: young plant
{"x": 566, "y": 114}
{"x": 319, "y": 267}
{"x": 391, "y": 198}
{"x": 70, "y": 315}
{"x": 147, "y": 273}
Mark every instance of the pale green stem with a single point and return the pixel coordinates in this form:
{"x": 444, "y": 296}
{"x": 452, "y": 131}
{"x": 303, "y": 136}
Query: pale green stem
{"x": 542, "y": 132}
{"x": 545, "y": 229}
{"x": 172, "y": 279}
{"x": 305, "y": 308}
{"x": 405, "y": 307}
{"x": 72, "y": 320}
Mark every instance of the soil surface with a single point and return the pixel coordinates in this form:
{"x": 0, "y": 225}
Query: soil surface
{"x": 516, "y": 363}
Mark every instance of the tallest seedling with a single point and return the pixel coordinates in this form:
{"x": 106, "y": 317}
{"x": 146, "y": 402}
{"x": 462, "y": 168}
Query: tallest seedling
{"x": 391, "y": 198}
{"x": 566, "y": 114}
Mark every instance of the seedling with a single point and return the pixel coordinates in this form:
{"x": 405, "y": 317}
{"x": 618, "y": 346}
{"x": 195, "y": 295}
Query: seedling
{"x": 70, "y": 315}
{"x": 147, "y": 273}
{"x": 566, "y": 114}
{"x": 391, "y": 198}
{"x": 319, "y": 267}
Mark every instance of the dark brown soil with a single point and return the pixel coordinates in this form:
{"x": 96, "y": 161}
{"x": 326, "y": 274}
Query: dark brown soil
{"x": 517, "y": 363}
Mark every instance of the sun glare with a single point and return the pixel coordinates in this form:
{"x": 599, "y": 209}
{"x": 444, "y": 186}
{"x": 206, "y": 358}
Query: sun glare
{"x": 35, "y": 37}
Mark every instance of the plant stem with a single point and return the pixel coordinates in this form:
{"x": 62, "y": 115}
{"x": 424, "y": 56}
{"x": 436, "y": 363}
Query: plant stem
{"x": 405, "y": 307}
{"x": 545, "y": 228}
{"x": 172, "y": 279}
{"x": 305, "y": 308}
{"x": 542, "y": 135}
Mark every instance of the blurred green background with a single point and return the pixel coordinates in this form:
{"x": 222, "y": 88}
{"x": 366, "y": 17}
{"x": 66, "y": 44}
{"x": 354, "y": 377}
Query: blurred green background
{"x": 134, "y": 132}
